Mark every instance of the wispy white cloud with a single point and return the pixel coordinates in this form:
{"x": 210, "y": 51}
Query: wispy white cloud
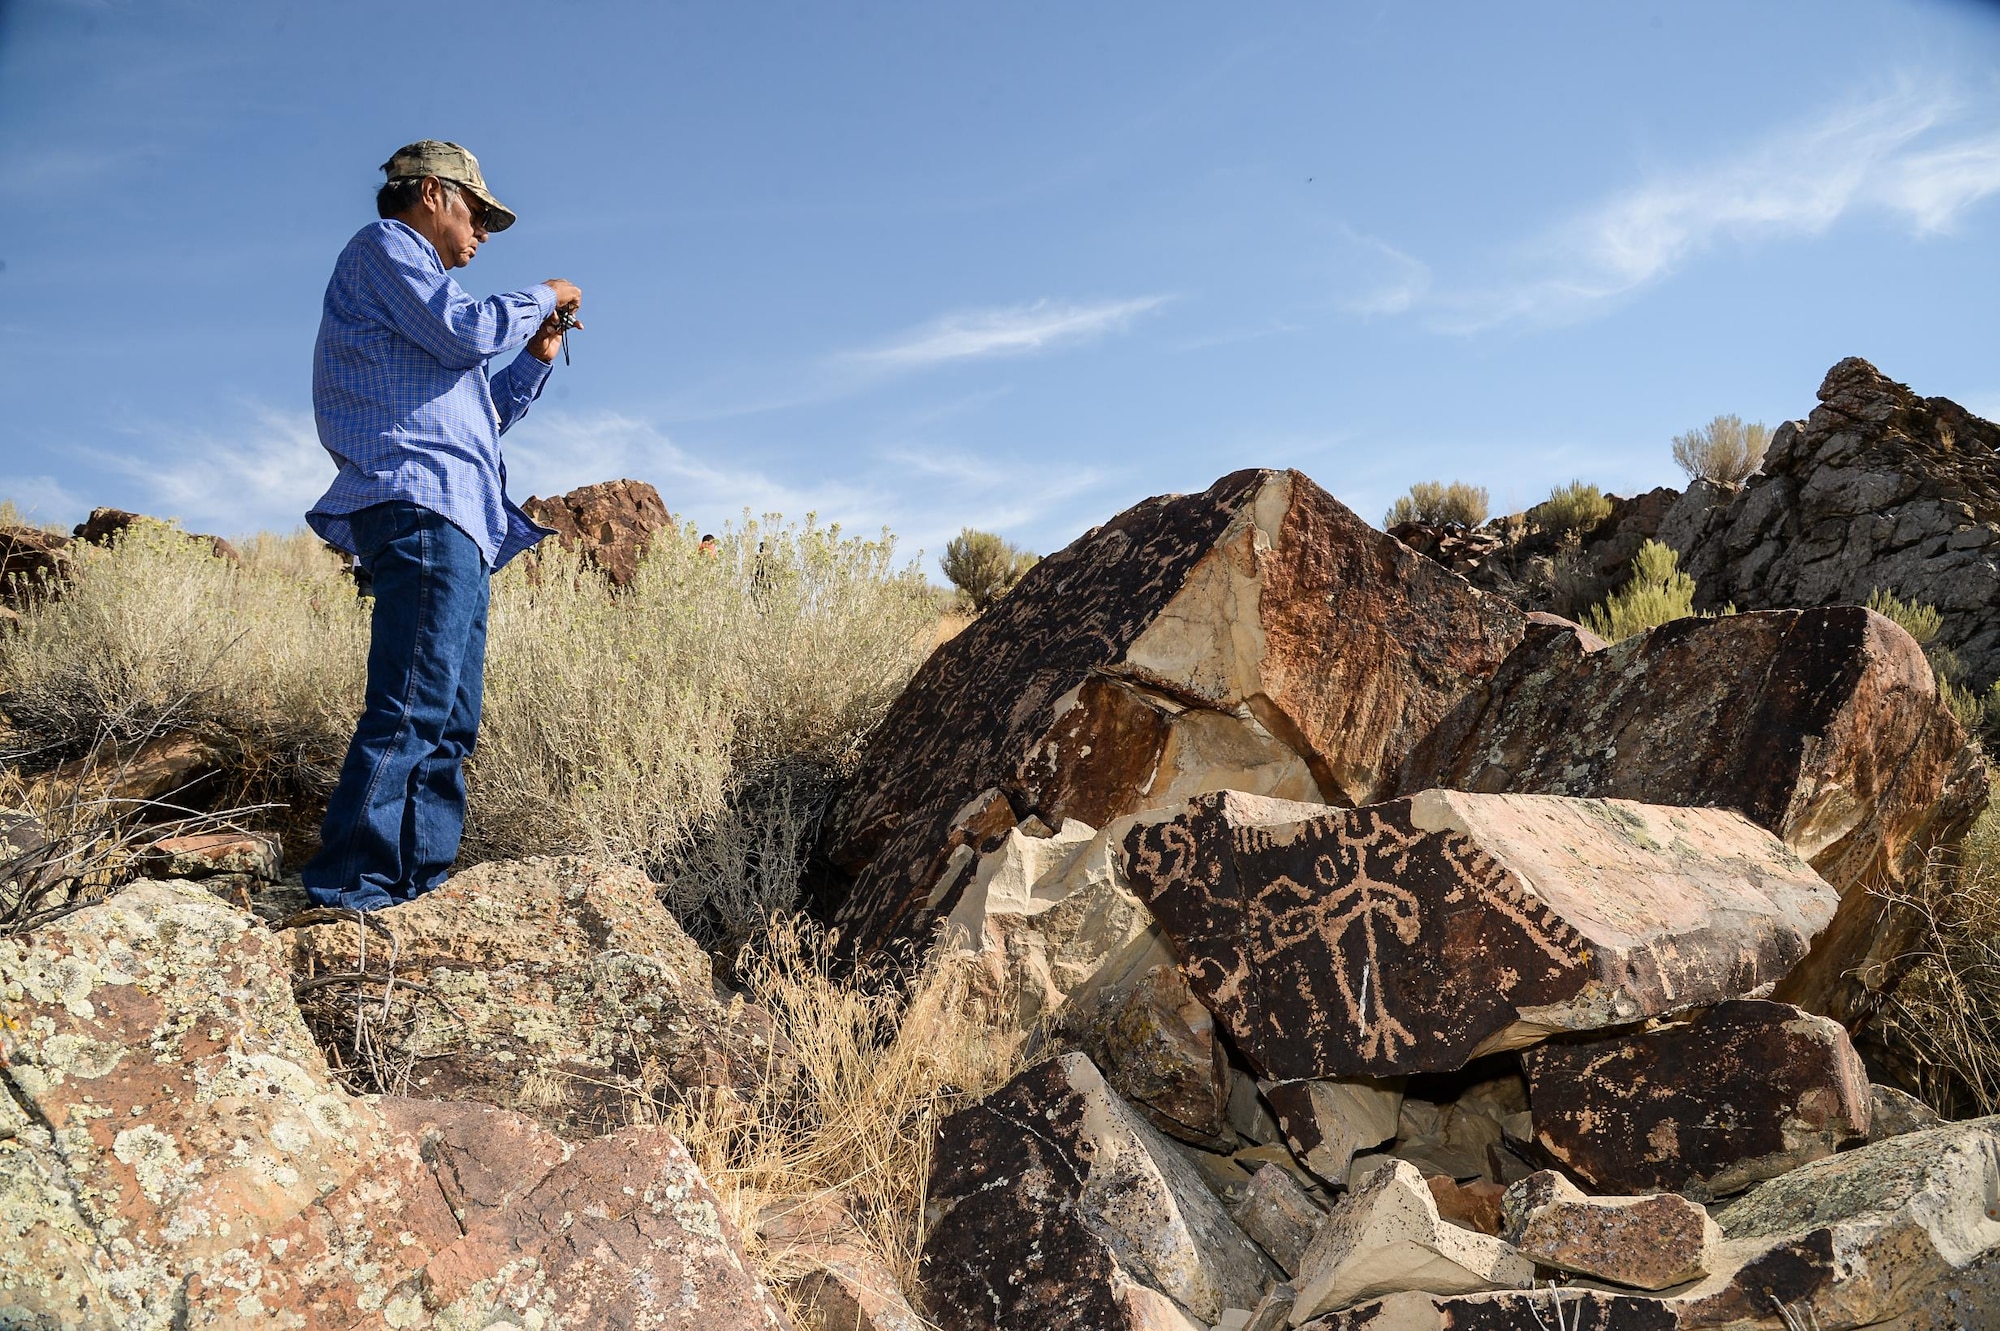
{"x": 1909, "y": 153}
{"x": 264, "y": 472}
{"x": 1395, "y": 280}
{"x": 1012, "y": 331}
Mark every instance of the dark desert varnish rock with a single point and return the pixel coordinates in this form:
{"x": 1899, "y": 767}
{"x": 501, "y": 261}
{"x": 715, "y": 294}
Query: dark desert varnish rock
{"x": 1416, "y": 935}
{"x": 611, "y": 524}
{"x": 1256, "y": 636}
{"x": 1059, "y": 1207}
{"x": 1745, "y": 1091}
{"x": 1824, "y": 726}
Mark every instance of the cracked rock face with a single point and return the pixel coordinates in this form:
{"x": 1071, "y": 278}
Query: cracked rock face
{"x": 1419, "y": 934}
{"x": 1822, "y": 726}
{"x": 1878, "y": 487}
{"x": 174, "y": 1153}
{"x": 1058, "y": 1206}
{"x": 1257, "y": 636}
{"x": 567, "y": 979}
{"x": 1745, "y": 1091}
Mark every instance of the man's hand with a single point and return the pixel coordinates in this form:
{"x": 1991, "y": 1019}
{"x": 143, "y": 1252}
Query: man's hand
{"x": 547, "y": 340}
{"x": 567, "y": 296}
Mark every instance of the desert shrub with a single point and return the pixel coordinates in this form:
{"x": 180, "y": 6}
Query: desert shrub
{"x": 1439, "y": 505}
{"x": 1922, "y": 622}
{"x": 266, "y": 659}
{"x": 693, "y": 724}
{"x": 1571, "y": 510}
{"x": 1657, "y": 593}
{"x": 1943, "y": 1020}
{"x": 983, "y": 567}
{"x": 714, "y": 702}
{"x": 1725, "y": 450}
{"x": 852, "y": 1115}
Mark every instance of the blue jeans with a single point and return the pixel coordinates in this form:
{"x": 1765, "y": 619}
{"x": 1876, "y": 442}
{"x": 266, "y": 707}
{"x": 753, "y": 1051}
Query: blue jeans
{"x": 393, "y": 825}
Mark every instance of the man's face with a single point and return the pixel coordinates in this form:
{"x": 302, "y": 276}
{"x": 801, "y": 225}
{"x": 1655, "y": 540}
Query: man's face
{"x": 460, "y": 222}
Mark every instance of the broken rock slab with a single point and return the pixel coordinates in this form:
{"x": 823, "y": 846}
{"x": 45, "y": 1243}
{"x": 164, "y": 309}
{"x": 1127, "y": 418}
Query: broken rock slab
{"x": 561, "y": 980}
{"x": 1156, "y": 1045}
{"x": 1327, "y": 1123}
{"x": 1419, "y": 934}
{"x": 1650, "y": 1242}
{"x": 1256, "y": 636}
{"x": 1055, "y": 1204}
{"x": 1277, "y": 1213}
{"x": 1386, "y": 1236}
{"x": 1822, "y": 726}
{"x": 1745, "y": 1091}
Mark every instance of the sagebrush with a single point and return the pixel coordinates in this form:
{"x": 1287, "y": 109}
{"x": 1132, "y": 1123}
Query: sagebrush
{"x": 716, "y": 691}
{"x": 983, "y": 566}
{"x": 1437, "y": 504}
{"x": 1725, "y": 450}
{"x": 1657, "y": 593}
{"x": 1571, "y": 510}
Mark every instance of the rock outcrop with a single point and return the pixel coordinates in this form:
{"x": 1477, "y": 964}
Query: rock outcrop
{"x": 1877, "y": 488}
{"x": 1417, "y": 935}
{"x": 1823, "y": 726}
{"x": 611, "y": 524}
{"x": 1747, "y": 1090}
{"x": 1256, "y": 636}
{"x": 1058, "y": 1206}
{"x": 33, "y": 564}
{"x": 564, "y": 984}
{"x": 176, "y": 1154}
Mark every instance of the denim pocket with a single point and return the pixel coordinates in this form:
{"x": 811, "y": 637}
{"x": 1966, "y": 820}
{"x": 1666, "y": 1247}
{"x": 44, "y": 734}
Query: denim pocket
{"x": 378, "y": 525}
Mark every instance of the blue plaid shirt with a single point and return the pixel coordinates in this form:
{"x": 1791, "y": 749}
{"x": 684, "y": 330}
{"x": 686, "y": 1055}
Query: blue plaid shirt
{"x": 401, "y": 396}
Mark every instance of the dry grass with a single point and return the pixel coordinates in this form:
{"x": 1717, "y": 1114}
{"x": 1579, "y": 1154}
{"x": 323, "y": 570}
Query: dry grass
{"x": 1943, "y": 1022}
{"x": 851, "y": 1117}
{"x": 157, "y": 633}
{"x": 693, "y": 724}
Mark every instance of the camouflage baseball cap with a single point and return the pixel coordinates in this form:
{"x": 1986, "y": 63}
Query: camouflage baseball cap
{"x": 448, "y": 161}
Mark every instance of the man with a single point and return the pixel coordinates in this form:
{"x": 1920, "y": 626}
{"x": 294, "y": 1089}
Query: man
{"x": 404, "y": 405}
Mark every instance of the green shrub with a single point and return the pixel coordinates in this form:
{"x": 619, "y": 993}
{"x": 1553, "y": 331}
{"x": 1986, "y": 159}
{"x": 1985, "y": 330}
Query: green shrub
{"x": 1657, "y": 593}
{"x": 1439, "y": 505}
{"x": 983, "y": 567}
{"x": 1725, "y": 450}
{"x": 1571, "y": 510}
{"x": 1920, "y": 621}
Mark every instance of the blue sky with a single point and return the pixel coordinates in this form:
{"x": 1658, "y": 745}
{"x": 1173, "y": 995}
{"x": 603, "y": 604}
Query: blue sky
{"x": 1010, "y": 266}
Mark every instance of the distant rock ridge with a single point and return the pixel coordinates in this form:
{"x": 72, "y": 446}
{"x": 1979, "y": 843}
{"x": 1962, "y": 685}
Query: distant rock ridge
{"x": 1877, "y": 488}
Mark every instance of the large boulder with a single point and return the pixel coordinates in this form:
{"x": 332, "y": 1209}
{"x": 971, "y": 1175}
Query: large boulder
{"x": 174, "y": 1153}
{"x": 611, "y": 524}
{"x": 33, "y": 564}
{"x": 1419, "y": 934}
{"x": 1877, "y": 488}
{"x": 1745, "y": 1091}
{"x": 1256, "y": 636}
{"x": 562, "y": 988}
{"x": 1056, "y": 1205}
{"x": 107, "y": 526}
{"x": 1822, "y": 726}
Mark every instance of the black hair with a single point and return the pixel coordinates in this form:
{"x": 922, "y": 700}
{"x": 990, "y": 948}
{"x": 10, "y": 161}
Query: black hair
{"x": 398, "y": 196}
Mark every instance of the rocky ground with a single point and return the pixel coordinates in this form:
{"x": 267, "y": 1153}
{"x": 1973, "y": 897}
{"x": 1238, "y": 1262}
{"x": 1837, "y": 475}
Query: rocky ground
{"x": 1386, "y": 955}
